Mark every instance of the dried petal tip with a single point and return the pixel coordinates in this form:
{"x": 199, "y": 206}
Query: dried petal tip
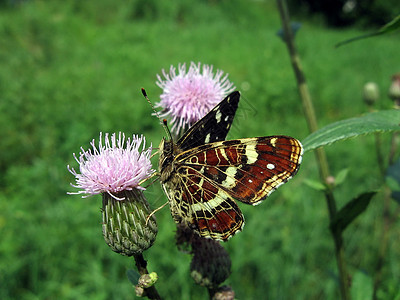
{"x": 224, "y": 293}
{"x": 188, "y": 96}
{"x": 115, "y": 166}
{"x": 126, "y": 226}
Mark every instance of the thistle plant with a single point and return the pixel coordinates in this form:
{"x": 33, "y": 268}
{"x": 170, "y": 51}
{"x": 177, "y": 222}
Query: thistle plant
{"x": 115, "y": 169}
{"x": 189, "y": 95}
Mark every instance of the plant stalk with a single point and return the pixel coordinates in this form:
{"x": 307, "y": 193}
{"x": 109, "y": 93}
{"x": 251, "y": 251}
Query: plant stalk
{"x": 141, "y": 265}
{"x": 319, "y": 153}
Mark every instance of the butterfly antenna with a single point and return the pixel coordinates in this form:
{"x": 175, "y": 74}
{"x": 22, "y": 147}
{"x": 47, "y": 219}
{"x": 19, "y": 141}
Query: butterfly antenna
{"x": 162, "y": 121}
{"x": 154, "y": 211}
{"x": 166, "y": 128}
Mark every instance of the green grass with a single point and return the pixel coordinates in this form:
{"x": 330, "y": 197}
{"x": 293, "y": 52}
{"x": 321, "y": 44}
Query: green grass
{"x": 71, "y": 69}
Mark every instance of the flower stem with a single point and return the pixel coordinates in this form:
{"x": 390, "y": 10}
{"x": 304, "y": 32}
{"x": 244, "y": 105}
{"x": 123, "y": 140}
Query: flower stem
{"x": 387, "y": 220}
{"x": 382, "y": 254}
{"x": 141, "y": 265}
{"x": 319, "y": 153}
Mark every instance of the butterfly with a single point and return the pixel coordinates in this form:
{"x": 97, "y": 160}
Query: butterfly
{"x": 202, "y": 174}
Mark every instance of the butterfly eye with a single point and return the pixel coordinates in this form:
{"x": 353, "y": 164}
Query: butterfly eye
{"x": 167, "y": 147}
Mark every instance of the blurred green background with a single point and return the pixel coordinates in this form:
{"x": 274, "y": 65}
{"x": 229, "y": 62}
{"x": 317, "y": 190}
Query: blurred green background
{"x": 70, "y": 69}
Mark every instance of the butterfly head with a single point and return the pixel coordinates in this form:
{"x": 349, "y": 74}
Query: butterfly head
{"x": 165, "y": 163}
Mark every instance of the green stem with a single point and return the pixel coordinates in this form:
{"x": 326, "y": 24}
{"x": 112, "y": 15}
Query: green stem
{"x": 383, "y": 242}
{"x": 379, "y": 153}
{"x": 386, "y": 221}
{"x": 319, "y": 153}
{"x": 393, "y": 148}
{"x": 141, "y": 265}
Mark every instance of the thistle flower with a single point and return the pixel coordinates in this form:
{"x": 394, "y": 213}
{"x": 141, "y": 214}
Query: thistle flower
{"x": 115, "y": 169}
{"x": 112, "y": 168}
{"x": 188, "y": 96}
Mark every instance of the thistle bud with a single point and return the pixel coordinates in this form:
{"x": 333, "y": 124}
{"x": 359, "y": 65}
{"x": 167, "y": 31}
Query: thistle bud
{"x": 148, "y": 280}
{"x": 370, "y": 93}
{"x": 211, "y": 264}
{"x": 126, "y": 228}
{"x": 394, "y": 90}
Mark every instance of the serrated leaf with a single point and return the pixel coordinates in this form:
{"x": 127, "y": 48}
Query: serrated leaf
{"x": 362, "y": 286}
{"x": 314, "y": 184}
{"x": 350, "y": 211}
{"x": 391, "y": 26}
{"x": 380, "y": 121}
{"x": 341, "y": 176}
{"x": 133, "y": 276}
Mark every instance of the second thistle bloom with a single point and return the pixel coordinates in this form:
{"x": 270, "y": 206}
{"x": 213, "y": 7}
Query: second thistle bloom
{"x": 190, "y": 94}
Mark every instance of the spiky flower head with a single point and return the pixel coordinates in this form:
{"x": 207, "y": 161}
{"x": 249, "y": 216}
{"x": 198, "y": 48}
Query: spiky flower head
{"x": 210, "y": 264}
{"x": 190, "y": 94}
{"x": 116, "y": 165}
{"x": 115, "y": 169}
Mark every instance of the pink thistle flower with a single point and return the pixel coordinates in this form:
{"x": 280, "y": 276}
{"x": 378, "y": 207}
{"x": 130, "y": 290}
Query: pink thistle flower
{"x": 113, "y": 167}
{"x": 189, "y": 96}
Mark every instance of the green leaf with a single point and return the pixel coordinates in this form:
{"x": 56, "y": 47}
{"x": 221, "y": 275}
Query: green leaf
{"x": 362, "y": 286}
{"x": 380, "y": 121}
{"x": 341, "y": 176}
{"x": 391, "y": 26}
{"x": 392, "y": 183}
{"x": 350, "y": 211}
{"x": 314, "y": 184}
{"x": 133, "y": 276}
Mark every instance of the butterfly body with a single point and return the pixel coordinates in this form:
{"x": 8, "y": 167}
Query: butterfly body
{"x": 202, "y": 173}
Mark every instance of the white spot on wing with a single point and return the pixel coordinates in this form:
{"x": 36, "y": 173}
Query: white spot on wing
{"x": 229, "y": 181}
{"x": 271, "y": 166}
{"x": 218, "y": 116}
{"x": 273, "y": 142}
{"x": 207, "y": 139}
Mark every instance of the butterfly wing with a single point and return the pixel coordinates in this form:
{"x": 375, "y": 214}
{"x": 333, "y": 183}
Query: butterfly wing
{"x": 202, "y": 174}
{"x": 246, "y": 169}
{"x": 203, "y": 207}
{"x": 212, "y": 127}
